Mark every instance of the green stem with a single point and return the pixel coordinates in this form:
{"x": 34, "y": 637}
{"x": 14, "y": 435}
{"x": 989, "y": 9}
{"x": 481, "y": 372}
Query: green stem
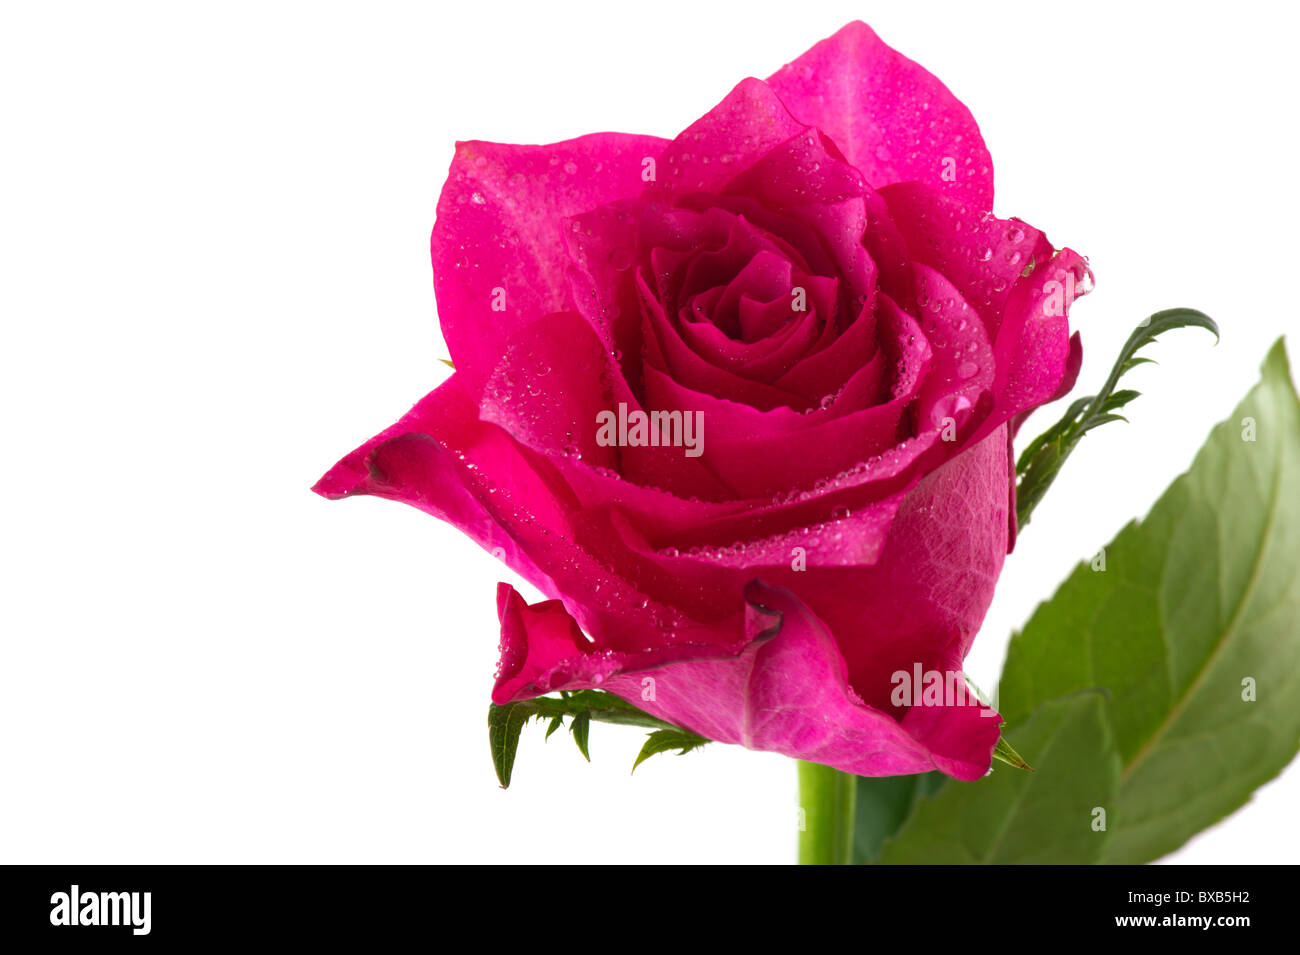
{"x": 827, "y": 798}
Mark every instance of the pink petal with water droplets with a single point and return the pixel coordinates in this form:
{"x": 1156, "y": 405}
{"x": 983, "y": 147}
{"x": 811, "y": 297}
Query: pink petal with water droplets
{"x": 783, "y": 690}
{"x": 499, "y": 226}
{"x": 892, "y": 119}
{"x": 726, "y": 141}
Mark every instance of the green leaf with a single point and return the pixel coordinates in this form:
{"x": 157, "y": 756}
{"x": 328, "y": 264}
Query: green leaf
{"x": 504, "y": 726}
{"x": 883, "y": 805}
{"x": 1042, "y": 458}
{"x": 1004, "y": 753}
{"x": 1194, "y": 602}
{"x": 581, "y": 729}
{"x": 661, "y": 741}
{"x": 505, "y": 723}
{"x": 1013, "y": 817}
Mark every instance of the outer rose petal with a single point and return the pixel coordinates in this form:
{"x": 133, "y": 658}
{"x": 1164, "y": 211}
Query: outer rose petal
{"x": 891, "y": 118}
{"x": 543, "y": 650}
{"x": 1009, "y": 273}
{"x": 785, "y": 691}
{"x": 1036, "y": 355}
{"x": 981, "y": 255}
{"x": 442, "y": 459}
{"x": 534, "y": 641}
{"x": 499, "y": 226}
{"x": 925, "y": 597}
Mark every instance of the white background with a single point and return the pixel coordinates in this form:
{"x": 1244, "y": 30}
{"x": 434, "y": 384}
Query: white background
{"x": 216, "y": 281}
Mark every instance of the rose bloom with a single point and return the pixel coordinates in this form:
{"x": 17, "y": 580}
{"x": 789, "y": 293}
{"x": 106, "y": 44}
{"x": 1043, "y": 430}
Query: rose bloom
{"x": 809, "y": 276}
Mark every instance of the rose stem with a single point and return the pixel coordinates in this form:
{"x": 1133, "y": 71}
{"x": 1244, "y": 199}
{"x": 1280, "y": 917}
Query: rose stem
{"x": 827, "y": 798}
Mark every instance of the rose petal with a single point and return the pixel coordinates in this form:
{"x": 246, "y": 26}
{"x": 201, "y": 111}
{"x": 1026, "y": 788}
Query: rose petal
{"x": 924, "y": 599}
{"x": 784, "y": 691}
{"x": 762, "y": 360}
{"x": 963, "y": 368}
{"x": 543, "y": 650}
{"x": 666, "y": 351}
{"x": 892, "y": 119}
{"x": 442, "y": 459}
{"x": 982, "y": 255}
{"x": 726, "y": 141}
{"x": 824, "y": 371}
{"x": 806, "y": 179}
{"x": 550, "y": 392}
{"x": 1035, "y": 355}
{"x": 499, "y": 226}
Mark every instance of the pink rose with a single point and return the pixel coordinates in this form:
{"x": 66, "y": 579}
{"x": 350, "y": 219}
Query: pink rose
{"x": 836, "y": 339}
